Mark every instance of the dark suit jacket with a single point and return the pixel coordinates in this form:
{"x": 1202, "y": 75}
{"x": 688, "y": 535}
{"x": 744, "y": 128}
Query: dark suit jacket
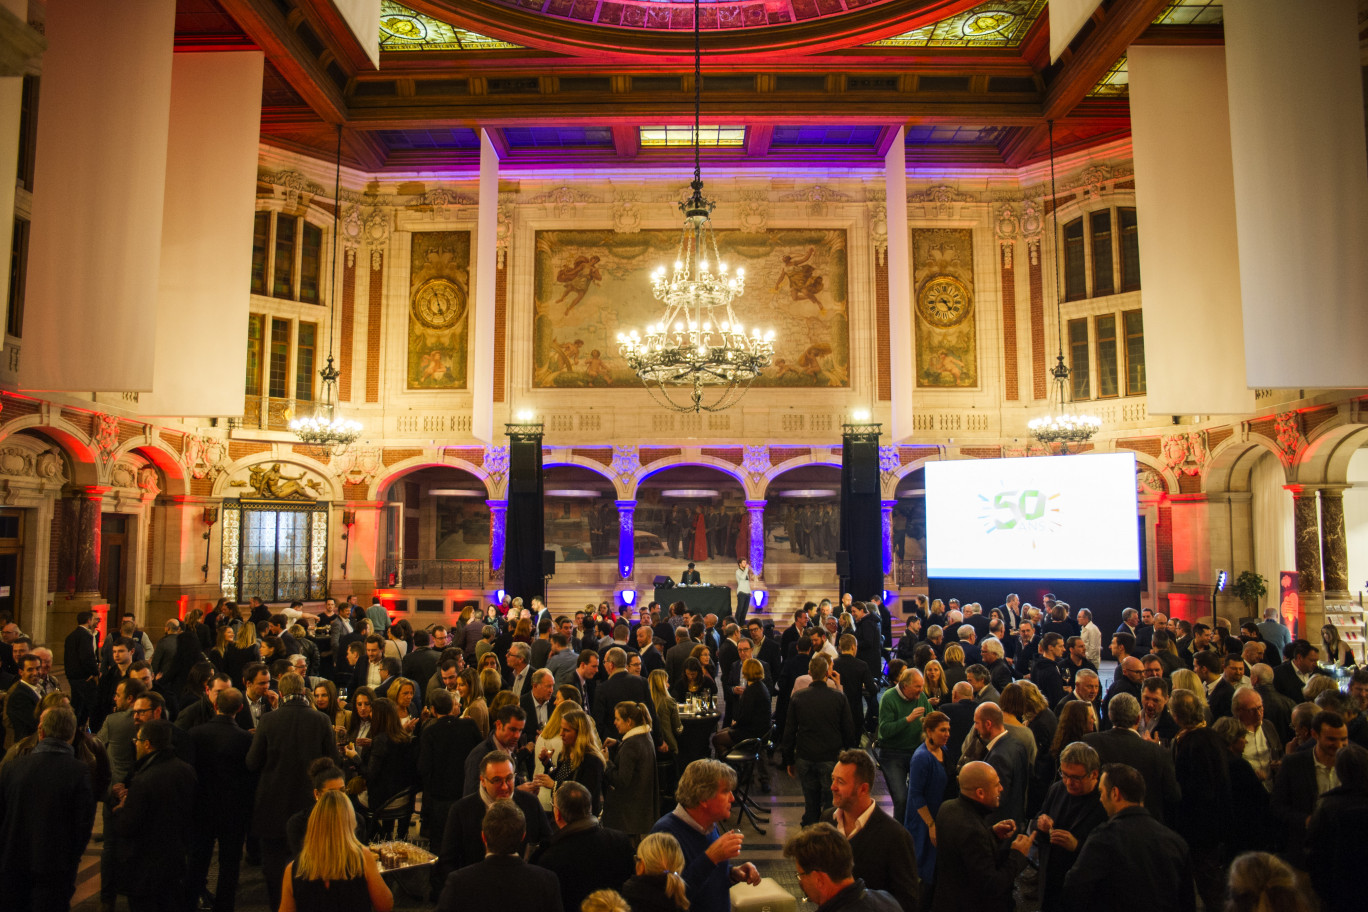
{"x": 675, "y": 657}
{"x": 420, "y": 665}
{"x": 869, "y": 639}
{"x": 21, "y": 708}
{"x": 620, "y": 687}
{"x": 1155, "y": 764}
{"x": 287, "y": 740}
{"x": 225, "y": 787}
{"x": 1131, "y": 862}
{"x": 529, "y": 706}
{"x": 856, "y": 682}
{"x": 690, "y": 577}
{"x": 47, "y": 808}
{"x": 501, "y": 882}
{"x": 974, "y": 869}
{"x": 462, "y": 843}
{"x": 153, "y": 827}
{"x": 79, "y": 657}
{"x": 885, "y": 858}
{"x": 1220, "y": 699}
{"x": 1294, "y": 800}
{"x": 961, "y": 723}
{"x": 1286, "y": 682}
{"x": 564, "y": 856}
{"x": 1012, "y": 762}
{"x": 443, "y": 747}
{"x": 472, "y": 764}
{"x": 819, "y": 725}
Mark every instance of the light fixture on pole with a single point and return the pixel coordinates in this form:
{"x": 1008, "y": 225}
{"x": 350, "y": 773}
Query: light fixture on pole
{"x": 699, "y": 345}
{"x": 325, "y": 427}
{"x": 1062, "y": 427}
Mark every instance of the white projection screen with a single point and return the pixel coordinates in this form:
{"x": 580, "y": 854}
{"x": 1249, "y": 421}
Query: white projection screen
{"x": 1046, "y": 517}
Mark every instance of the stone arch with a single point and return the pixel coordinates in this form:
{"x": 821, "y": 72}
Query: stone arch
{"x": 1325, "y": 459}
{"x": 892, "y": 479}
{"x": 223, "y": 485}
{"x": 620, "y": 484}
{"x": 167, "y": 463}
{"x": 71, "y": 441}
{"x": 1233, "y": 460}
{"x": 825, "y": 458}
{"x": 711, "y": 462}
{"x": 390, "y": 474}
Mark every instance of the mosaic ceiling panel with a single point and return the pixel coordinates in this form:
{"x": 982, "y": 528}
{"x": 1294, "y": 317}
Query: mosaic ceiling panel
{"x": 997, "y": 23}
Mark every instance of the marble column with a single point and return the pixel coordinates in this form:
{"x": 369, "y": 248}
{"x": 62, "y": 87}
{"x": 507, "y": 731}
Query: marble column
{"x": 886, "y": 512}
{"x": 626, "y": 538}
{"x": 1334, "y": 553}
{"x": 80, "y": 559}
{"x": 1306, "y": 538}
{"x": 497, "y": 511}
{"x": 756, "y": 509}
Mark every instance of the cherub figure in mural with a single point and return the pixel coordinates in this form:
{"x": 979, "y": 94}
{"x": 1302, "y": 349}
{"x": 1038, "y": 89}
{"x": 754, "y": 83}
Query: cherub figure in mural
{"x": 945, "y": 365}
{"x": 577, "y": 278}
{"x": 274, "y": 483}
{"x": 782, "y": 368}
{"x": 564, "y": 356}
{"x": 810, "y": 361}
{"x": 435, "y": 366}
{"x": 804, "y": 283}
{"x": 596, "y": 370}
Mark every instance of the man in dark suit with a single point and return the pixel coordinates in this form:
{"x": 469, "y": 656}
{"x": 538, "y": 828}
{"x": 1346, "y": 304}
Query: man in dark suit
{"x": 1303, "y": 777}
{"x": 618, "y": 687}
{"x": 1277, "y": 708}
{"x": 506, "y": 727}
{"x": 421, "y": 664}
{"x": 538, "y": 700}
{"x": 447, "y": 741}
{"x": 1128, "y": 682}
{"x": 960, "y": 708}
{"x": 502, "y": 879}
{"x": 1291, "y": 676}
{"x": 21, "y": 708}
{"x": 152, "y": 823}
{"x": 766, "y": 647}
{"x": 690, "y": 577}
{"x": 1123, "y": 744}
{"x": 579, "y": 835}
{"x": 869, "y": 638}
{"x": 1156, "y": 722}
{"x": 286, "y": 741}
{"x": 819, "y": 726}
{"x": 1045, "y": 673}
{"x": 47, "y": 809}
{"x": 794, "y": 630}
{"x": 461, "y": 842}
{"x": 223, "y": 800}
{"x": 1008, "y": 756}
{"x": 678, "y": 654}
{"x": 1130, "y": 849}
{"x": 1231, "y": 677}
{"x": 976, "y": 865}
{"x": 884, "y": 856}
{"x": 81, "y": 659}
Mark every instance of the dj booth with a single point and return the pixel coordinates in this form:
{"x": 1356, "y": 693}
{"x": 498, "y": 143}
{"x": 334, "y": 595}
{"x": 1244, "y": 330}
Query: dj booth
{"x": 698, "y": 599}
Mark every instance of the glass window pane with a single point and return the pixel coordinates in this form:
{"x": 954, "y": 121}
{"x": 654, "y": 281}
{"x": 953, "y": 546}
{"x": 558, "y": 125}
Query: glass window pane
{"x": 1135, "y": 352}
{"x": 1105, "y": 330}
{"x": 304, "y": 363}
{"x": 283, "y": 286}
{"x": 261, "y": 239}
{"x": 18, "y": 280}
{"x": 1079, "y": 360}
{"x": 256, "y": 349}
{"x": 309, "y": 266}
{"x": 1130, "y": 249}
{"x": 280, "y": 359}
{"x": 1103, "y": 282}
{"x": 1075, "y": 264}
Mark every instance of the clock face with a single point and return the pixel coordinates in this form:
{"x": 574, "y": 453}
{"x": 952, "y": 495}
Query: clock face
{"x": 439, "y": 303}
{"x": 944, "y": 301}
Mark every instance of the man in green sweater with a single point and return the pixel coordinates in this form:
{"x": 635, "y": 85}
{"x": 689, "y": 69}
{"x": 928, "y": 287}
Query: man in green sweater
{"x": 901, "y": 710}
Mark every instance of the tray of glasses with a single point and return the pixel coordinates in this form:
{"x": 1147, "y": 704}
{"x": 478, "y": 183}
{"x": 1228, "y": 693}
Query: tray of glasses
{"x": 402, "y": 856}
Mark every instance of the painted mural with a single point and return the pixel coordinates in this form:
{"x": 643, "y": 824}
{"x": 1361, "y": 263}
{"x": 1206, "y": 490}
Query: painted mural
{"x": 580, "y": 529}
{"x": 699, "y": 529}
{"x": 591, "y": 285}
{"x": 943, "y": 292}
{"x": 802, "y": 530}
{"x": 439, "y": 313}
{"x": 462, "y": 528}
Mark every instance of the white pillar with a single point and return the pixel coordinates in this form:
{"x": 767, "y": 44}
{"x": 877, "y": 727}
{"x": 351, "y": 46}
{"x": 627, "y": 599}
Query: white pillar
{"x": 486, "y": 265}
{"x": 900, "y": 350}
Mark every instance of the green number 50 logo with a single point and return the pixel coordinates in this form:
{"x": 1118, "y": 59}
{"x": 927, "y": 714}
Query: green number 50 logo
{"x": 1012, "y": 508}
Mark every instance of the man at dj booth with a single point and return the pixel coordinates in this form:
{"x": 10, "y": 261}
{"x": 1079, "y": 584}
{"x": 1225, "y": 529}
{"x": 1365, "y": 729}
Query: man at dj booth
{"x": 690, "y": 577}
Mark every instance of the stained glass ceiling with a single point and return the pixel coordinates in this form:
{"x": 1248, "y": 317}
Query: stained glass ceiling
{"x": 403, "y": 29}
{"x": 997, "y": 23}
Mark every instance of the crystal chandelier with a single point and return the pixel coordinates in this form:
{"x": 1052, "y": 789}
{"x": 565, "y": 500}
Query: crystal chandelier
{"x": 325, "y": 428}
{"x": 699, "y": 348}
{"x": 1062, "y": 427}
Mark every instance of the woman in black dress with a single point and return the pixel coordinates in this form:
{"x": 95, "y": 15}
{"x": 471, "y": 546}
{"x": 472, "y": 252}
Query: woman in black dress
{"x": 334, "y": 872}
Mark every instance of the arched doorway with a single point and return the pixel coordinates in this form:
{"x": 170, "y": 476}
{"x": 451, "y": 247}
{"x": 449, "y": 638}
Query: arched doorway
{"x": 692, "y": 513}
{"x": 580, "y": 517}
{"x": 438, "y": 534}
{"x": 909, "y": 530}
{"x": 803, "y": 516}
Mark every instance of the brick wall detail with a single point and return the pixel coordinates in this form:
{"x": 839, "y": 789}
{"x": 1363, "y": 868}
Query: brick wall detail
{"x": 373, "y": 325}
{"x": 1009, "y": 324}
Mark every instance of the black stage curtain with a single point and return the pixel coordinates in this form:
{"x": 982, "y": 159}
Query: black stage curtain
{"x": 523, "y": 525}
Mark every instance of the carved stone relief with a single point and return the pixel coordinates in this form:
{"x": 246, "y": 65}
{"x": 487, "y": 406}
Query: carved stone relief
{"x": 1185, "y": 454}
{"x": 626, "y": 461}
{"x": 270, "y": 481}
{"x": 563, "y": 200}
{"x": 359, "y": 465}
{"x": 938, "y": 202}
{"x": 1290, "y": 438}
{"x": 204, "y": 457}
{"x": 752, "y": 211}
{"x": 817, "y": 199}
{"x": 107, "y": 436}
{"x": 1148, "y": 481}
{"x": 626, "y": 213}
{"x": 496, "y": 463}
{"x": 755, "y": 461}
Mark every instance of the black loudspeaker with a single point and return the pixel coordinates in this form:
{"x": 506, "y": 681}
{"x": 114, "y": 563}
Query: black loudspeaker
{"x": 524, "y": 469}
{"x": 663, "y": 582}
{"x": 864, "y": 468}
{"x": 843, "y": 564}
{"x": 548, "y": 563}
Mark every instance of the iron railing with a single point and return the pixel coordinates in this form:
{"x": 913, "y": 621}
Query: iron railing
{"x": 911, "y": 573}
{"x": 404, "y": 573}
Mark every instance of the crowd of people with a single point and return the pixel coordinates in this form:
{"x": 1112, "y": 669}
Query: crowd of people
{"x": 525, "y": 741}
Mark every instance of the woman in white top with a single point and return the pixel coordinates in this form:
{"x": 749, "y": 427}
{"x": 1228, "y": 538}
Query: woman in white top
{"x": 1092, "y": 637}
{"x": 743, "y": 590}
{"x": 548, "y": 749}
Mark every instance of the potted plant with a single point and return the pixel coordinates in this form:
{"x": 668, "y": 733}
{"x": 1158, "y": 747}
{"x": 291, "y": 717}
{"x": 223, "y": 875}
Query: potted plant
{"x": 1249, "y": 587}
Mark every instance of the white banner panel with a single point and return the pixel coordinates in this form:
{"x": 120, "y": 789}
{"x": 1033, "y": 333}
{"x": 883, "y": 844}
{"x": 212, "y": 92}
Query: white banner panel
{"x": 204, "y": 295}
{"x": 95, "y": 242}
{"x": 486, "y": 263}
{"x": 363, "y": 17}
{"x": 1189, "y": 259}
{"x": 1066, "y": 18}
{"x": 1301, "y": 190}
{"x": 899, "y": 288}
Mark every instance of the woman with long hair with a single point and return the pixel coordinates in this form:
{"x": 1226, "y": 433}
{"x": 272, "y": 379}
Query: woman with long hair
{"x": 1186, "y": 679}
{"x": 523, "y": 632}
{"x": 693, "y": 682}
{"x": 1043, "y": 723}
{"x": 359, "y": 725}
{"x": 549, "y": 745}
{"x": 953, "y": 664}
{"x": 243, "y": 652}
{"x": 387, "y": 763}
{"x": 935, "y": 689}
{"x": 1076, "y": 719}
{"x": 404, "y": 693}
{"x": 926, "y": 784}
{"x": 631, "y": 796}
{"x": 326, "y": 701}
{"x": 704, "y": 656}
{"x": 223, "y": 644}
{"x": 334, "y": 872}
{"x": 469, "y": 689}
{"x": 658, "y": 885}
{"x": 666, "y": 709}
{"x": 1336, "y": 651}
{"x": 1206, "y": 813}
{"x": 580, "y": 759}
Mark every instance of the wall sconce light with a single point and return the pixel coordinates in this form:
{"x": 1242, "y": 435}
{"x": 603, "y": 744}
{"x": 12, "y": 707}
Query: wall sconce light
{"x": 348, "y": 520}
{"x": 209, "y": 517}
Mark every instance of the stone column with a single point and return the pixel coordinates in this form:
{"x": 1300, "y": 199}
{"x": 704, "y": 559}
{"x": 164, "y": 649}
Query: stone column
{"x": 78, "y": 562}
{"x": 497, "y": 510}
{"x": 886, "y": 512}
{"x": 1334, "y": 554}
{"x": 1306, "y": 542}
{"x": 626, "y": 538}
{"x": 756, "y": 509}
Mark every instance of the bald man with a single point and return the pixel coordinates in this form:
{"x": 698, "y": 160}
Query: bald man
{"x": 1130, "y": 679}
{"x": 976, "y": 864}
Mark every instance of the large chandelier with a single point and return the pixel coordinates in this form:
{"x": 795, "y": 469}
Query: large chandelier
{"x": 325, "y": 427}
{"x": 1062, "y": 426}
{"x": 699, "y": 348}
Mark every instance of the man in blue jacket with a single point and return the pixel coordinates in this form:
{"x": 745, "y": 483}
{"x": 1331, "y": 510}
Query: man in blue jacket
{"x": 705, "y": 799}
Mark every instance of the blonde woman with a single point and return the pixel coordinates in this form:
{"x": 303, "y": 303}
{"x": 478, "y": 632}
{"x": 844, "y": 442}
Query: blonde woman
{"x": 334, "y": 872}
{"x": 658, "y": 884}
{"x": 580, "y": 760}
{"x": 1186, "y": 679}
{"x": 548, "y": 747}
{"x": 666, "y": 709}
{"x": 404, "y": 693}
{"x": 469, "y": 689}
{"x": 953, "y": 665}
{"x": 491, "y": 682}
{"x": 935, "y": 689}
{"x": 604, "y": 901}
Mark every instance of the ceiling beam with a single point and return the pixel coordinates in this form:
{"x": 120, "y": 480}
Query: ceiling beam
{"x": 334, "y": 29}
{"x": 626, "y": 140}
{"x": 1126, "y": 20}
{"x": 263, "y": 23}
